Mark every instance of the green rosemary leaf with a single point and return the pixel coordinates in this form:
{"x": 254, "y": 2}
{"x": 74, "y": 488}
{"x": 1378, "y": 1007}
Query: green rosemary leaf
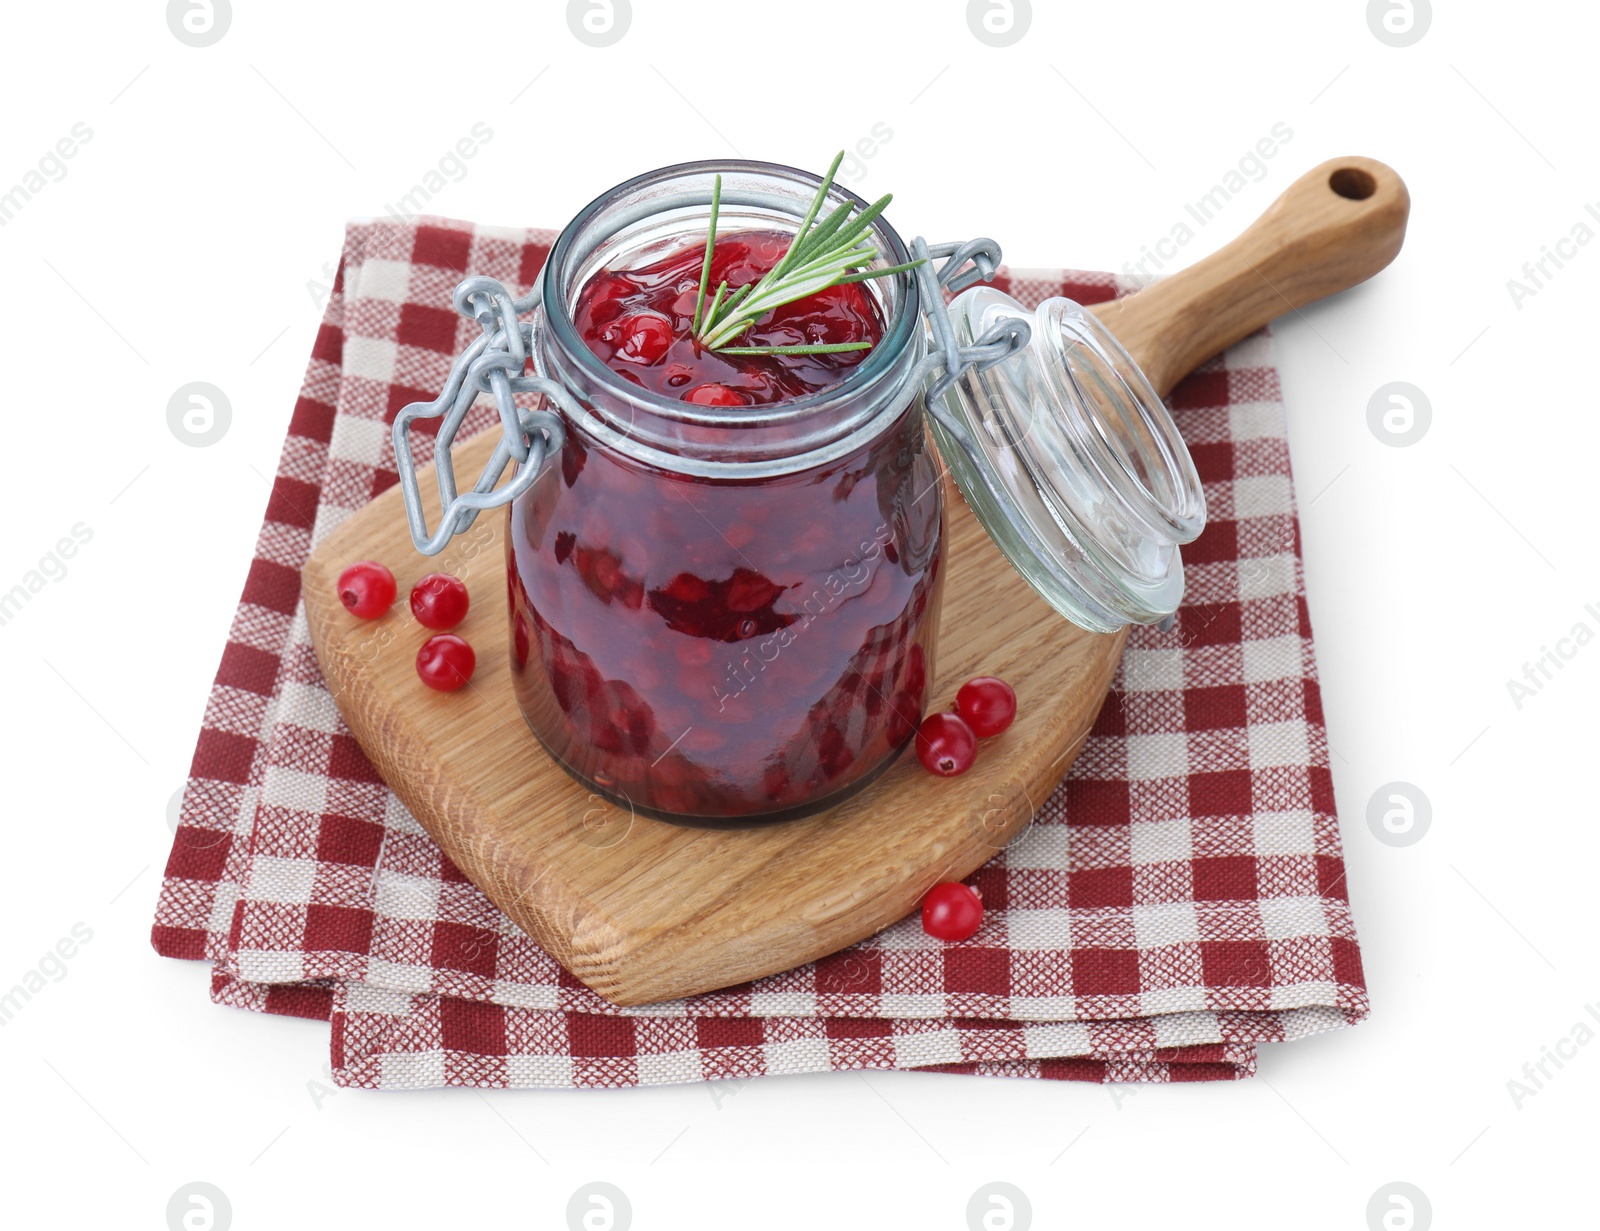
{"x": 833, "y": 261}
{"x": 866, "y": 274}
{"x": 816, "y": 204}
{"x": 723, "y": 312}
{"x": 726, "y": 326}
{"x": 813, "y": 240}
{"x": 822, "y": 254}
{"x": 821, "y": 348}
{"x": 711, "y": 243}
{"x": 858, "y": 226}
{"x": 721, "y": 290}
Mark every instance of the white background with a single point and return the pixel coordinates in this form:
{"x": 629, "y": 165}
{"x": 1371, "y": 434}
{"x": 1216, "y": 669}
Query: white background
{"x": 179, "y": 247}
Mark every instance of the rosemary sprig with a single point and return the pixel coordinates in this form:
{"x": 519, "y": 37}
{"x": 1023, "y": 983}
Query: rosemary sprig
{"x": 821, "y": 255}
{"x": 705, "y": 268}
{"x": 808, "y": 348}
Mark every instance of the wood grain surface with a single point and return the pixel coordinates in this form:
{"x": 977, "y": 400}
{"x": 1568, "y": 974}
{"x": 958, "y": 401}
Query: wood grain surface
{"x": 644, "y": 911}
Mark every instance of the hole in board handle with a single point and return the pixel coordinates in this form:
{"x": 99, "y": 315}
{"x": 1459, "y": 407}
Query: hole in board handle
{"x": 1352, "y": 183}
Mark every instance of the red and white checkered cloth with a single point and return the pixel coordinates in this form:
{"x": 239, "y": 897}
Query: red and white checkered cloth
{"x": 1177, "y": 902}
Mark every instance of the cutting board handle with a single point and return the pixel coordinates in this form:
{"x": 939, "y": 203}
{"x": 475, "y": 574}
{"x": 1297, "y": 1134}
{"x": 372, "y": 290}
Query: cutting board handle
{"x": 1335, "y": 226}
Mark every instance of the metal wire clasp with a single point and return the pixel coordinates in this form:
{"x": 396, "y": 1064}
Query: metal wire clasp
{"x": 496, "y": 363}
{"x": 977, "y": 260}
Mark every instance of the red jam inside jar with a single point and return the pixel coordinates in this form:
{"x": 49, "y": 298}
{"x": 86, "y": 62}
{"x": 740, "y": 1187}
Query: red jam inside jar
{"x": 727, "y": 650}
{"x": 640, "y": 323}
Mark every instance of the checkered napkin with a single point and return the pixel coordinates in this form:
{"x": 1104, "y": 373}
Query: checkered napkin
{"x": 1177, "y": 902}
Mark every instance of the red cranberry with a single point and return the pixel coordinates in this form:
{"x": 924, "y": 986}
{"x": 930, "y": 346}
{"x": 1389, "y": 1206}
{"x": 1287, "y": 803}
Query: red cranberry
{"x": 775, "y": 781}
{"x": 946, "y": 745}
{"x": 952, "y": 911}
{"x": 521, "y": 638}
{"x": 687, "y": 588}
{"x": 611, "y": 288}
{"x": 834, "y": 755}
{"x": 644, "y": 336}
{"x": 439, "y": 601}
{"x": 573, "y": 456}
{"x": 905, "y": 712}
{"x": 367, "y": 589}
{"x": 445, "y": 662}
{"x": 749, "y": 591}
{"x": 916, "y": 679}
{"x": 713, "y": 395}
{"x": 987, "y": 704}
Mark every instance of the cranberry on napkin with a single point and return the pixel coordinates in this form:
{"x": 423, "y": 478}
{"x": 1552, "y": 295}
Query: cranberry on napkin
{"x": 1177, "y": 902}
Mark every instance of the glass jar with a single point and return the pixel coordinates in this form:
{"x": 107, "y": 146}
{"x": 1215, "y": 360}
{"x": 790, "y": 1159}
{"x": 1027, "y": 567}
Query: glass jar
{"x": 725, "y": 614}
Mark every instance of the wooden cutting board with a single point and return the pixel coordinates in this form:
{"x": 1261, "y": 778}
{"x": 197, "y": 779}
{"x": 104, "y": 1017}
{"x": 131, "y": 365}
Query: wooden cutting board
{"x": 644, "y": 911}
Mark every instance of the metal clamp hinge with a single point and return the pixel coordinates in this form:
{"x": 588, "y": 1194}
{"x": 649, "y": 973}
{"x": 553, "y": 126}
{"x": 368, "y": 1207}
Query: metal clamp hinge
{"x": 495, "y": 363}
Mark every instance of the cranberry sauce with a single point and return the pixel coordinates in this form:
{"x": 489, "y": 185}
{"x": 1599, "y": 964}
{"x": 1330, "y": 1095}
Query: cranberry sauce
{"x": 640, "y": 321}
{"x": 726, "y": 650}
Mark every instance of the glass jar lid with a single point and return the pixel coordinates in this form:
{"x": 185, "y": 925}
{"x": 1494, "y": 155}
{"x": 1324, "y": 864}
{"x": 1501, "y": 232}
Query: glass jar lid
{"x": 1070, "y": 460}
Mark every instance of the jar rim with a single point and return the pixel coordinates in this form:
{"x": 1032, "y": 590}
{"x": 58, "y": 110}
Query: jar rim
{"x": 901, "y": 331}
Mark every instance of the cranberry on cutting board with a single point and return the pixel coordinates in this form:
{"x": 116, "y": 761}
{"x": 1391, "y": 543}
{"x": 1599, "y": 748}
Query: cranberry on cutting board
{"x": 445, "y": 662}
{"x": 987, "y": 705}
{"x": 367, "y": 589}
{"x": 439, "y": 601}
{"x": 946, "y": 745}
